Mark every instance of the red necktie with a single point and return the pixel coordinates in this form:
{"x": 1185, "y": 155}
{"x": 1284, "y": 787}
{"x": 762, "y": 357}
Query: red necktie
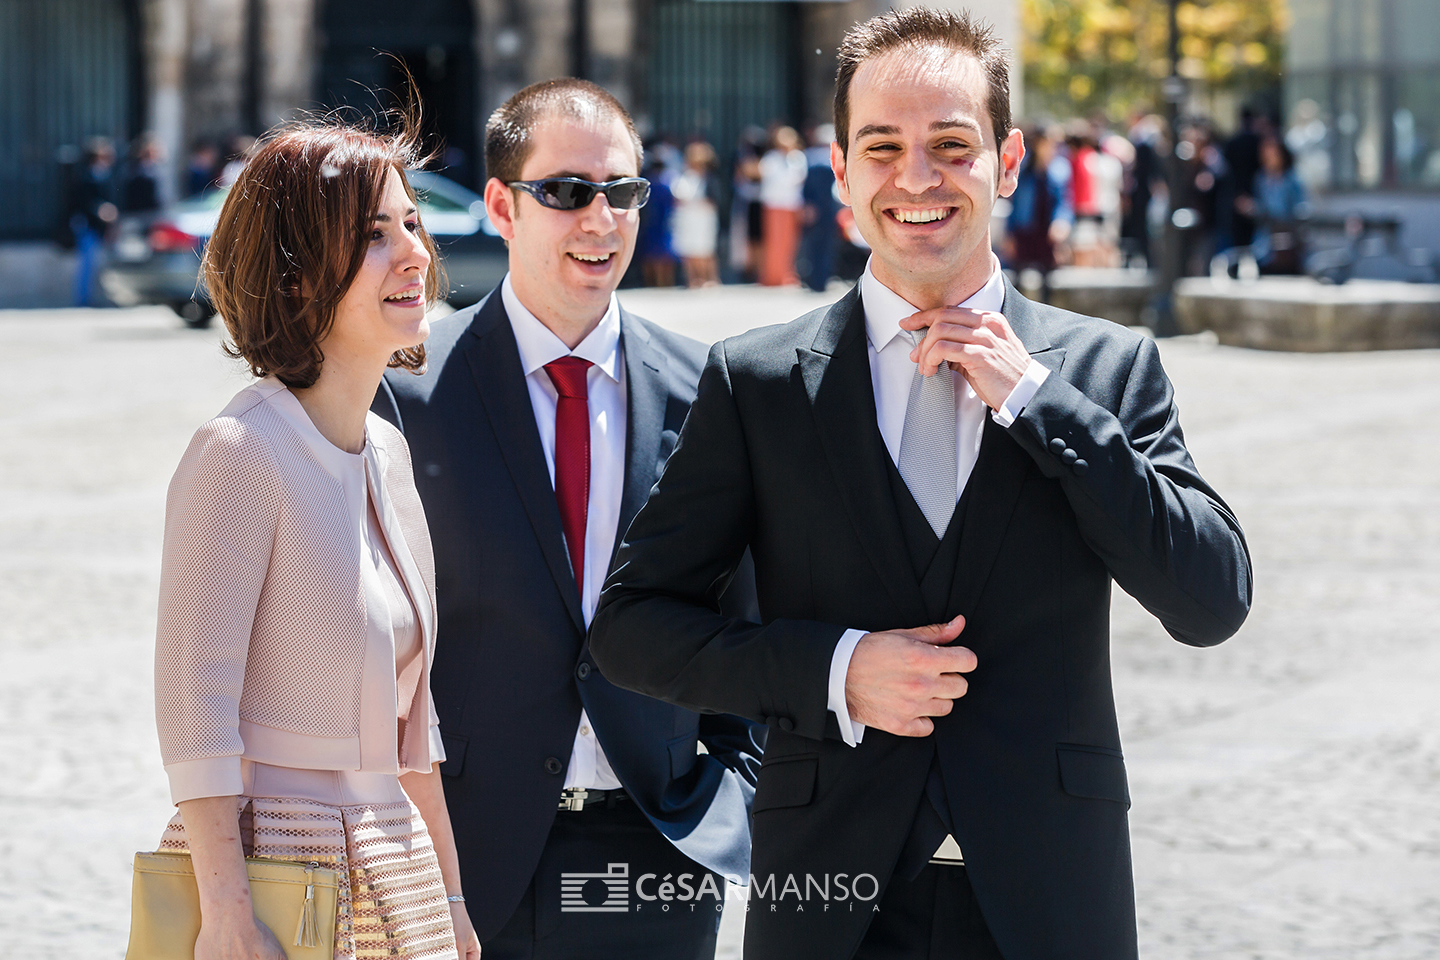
{"x": 572, "y": 456}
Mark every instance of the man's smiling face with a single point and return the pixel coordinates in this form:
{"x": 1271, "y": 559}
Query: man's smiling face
{"x": 565, "y": 264}
{"x": 923, "y": 170}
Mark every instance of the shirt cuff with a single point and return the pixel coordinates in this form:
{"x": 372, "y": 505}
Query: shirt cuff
{"x": 437, "y": 746}
{"x": 1014, "y": 404}
{"x": 851, "y": 731}
{"x": 206, "y": 777}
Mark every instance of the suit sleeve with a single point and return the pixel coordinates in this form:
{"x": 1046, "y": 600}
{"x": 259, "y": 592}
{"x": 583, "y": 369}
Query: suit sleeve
{"x": 659, "y": 631}
{"x": 1166, "y": 536}
{"x": 737, "y": 744}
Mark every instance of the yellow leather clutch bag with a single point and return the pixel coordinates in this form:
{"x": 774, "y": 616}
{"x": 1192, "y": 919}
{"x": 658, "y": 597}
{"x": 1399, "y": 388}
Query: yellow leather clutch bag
{"x": 297, "y": 901}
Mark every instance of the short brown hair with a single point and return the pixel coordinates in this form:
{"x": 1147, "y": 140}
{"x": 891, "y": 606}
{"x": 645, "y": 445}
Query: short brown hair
{"x": 292, "y": 236}
{"x": 508, "y": 142}
{"x": 922, "y": 27}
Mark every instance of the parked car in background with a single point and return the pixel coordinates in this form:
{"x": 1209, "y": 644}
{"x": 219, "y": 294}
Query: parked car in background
{"x": 475, "y": 257}
{"x": 155, "y": 257}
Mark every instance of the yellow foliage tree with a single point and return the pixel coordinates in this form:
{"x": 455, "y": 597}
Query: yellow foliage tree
{"x": 1109, "y": 56}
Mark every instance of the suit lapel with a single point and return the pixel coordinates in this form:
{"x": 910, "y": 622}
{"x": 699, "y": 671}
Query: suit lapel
{"x": 494, "y": 361}
{"x": 1024, "y": 319}
{"x": 645, "y": 399}
{"x": 1000, "y": 469}
{"x": 994, "y": 489}
{"x": 836, "y": 372}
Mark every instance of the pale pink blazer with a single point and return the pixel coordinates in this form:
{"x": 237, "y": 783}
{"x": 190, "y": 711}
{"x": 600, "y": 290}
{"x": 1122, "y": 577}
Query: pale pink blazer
{"x": 274, "y": 639}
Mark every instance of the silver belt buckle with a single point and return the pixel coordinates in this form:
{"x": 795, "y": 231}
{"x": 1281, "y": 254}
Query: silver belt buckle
{"x": 573, "y": 799}
{"x": 948, "y": 854}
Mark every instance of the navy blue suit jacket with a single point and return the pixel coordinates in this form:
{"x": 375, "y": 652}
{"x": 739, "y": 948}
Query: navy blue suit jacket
{"x": 512, "y": 667}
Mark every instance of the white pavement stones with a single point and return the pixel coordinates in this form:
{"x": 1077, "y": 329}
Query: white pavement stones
{"x": 95, "y": 410}
{"x": 1286, "y": 784}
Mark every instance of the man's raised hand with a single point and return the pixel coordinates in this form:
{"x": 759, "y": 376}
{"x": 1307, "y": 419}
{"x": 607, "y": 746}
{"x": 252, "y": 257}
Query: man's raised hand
{"x": 899, "y": 679}
{"x": 978, "y": 343}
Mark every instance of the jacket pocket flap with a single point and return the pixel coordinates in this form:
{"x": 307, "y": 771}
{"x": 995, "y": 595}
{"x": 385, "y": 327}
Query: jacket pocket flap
{"x": 786, "y": 782}
{"x": 1094, "y": 772}
{"x": 454, "y": 763}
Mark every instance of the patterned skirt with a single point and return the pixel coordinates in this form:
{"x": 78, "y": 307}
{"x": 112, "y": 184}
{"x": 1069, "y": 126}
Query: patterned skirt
{"x": 392, "y": 898}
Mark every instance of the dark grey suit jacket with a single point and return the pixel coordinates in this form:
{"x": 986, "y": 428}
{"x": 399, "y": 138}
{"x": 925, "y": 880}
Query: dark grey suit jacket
{"x": 512, "y": 669}
{"x": 782, "y": 454}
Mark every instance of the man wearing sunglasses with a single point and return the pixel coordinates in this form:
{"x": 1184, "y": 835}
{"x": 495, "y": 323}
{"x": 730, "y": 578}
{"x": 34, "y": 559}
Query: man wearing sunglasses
{"x": 590, "y": 821}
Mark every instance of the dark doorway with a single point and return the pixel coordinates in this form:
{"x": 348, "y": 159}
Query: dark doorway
{"x": 717, "y": 68}
{"x": 69, "y": 70}
{"x": 434, "y": 39}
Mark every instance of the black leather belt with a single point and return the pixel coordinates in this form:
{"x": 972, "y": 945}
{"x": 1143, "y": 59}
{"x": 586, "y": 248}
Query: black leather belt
{"x": 575, "y": 799}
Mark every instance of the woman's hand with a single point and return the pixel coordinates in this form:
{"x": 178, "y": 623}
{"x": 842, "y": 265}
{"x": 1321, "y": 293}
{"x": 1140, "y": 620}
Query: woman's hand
{"x": 467, "y": 943}
{"x": 426, "y": 792}
{"x": 237, "y": 937}
{"x": 228, "y": 928}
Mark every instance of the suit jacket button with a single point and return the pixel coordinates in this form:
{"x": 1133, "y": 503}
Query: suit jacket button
{"x": 786, "y": 724}
{"x": 1080, "y": 466}
{"x": 552, "y": 765}
{"x": 1069, "y": 456}
{"x": 583, "y": 670}
{"x": 1057, "y": 445}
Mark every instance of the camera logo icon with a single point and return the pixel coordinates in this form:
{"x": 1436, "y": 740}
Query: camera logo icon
{"x": 607, "y": 892}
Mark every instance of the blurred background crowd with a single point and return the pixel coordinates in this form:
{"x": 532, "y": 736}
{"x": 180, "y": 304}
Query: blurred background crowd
{"x": 1219, "y": 137}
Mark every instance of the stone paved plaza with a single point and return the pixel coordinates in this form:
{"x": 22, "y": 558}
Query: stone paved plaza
{"x": 1286, "y": 784}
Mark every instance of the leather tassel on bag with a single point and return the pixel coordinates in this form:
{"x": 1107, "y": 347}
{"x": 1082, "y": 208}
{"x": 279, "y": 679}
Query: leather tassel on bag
{"x": 307, "y": 932}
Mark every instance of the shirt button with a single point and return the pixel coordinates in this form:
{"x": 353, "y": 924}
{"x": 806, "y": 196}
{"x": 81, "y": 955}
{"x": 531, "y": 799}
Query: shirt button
{"x": 1069, "y": 456}
{"x": 1080, "y": 466}
{"x": 1057, "y": 445}
{"x": 583, "y": 670}
{"x": 786, "y": 724}
{"x": 552, "y": 765}
{"x": 584, "y": 730}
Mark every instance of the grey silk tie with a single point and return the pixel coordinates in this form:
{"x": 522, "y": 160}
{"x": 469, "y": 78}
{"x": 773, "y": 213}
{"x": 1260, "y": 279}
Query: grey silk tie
{"x": 928, "y": 457}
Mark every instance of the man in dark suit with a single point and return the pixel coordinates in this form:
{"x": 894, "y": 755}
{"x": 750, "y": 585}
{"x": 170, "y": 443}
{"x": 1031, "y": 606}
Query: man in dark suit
{"x": 919, "y": 798}
{"x": 591, "y": 821}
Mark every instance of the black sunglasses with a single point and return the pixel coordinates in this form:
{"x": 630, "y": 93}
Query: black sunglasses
{"x": 572, "y": 193}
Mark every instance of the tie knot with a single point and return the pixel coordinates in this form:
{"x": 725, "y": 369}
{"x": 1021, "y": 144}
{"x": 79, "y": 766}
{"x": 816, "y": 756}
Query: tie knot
{"x": 568, "y": 375}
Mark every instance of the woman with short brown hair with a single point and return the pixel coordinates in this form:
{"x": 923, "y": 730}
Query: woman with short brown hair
{"x": 297, "y": 607}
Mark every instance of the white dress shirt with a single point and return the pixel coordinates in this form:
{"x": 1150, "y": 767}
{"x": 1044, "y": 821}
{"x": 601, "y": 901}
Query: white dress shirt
{"x": 605, "y": 384}
{"x": 891, "y": 372}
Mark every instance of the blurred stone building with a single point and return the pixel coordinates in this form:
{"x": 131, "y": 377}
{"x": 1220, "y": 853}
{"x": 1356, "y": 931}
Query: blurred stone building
{"x": 1363, "y": 93}
{"x": 206, "y": 70}
{"x": 1362, "y": 112}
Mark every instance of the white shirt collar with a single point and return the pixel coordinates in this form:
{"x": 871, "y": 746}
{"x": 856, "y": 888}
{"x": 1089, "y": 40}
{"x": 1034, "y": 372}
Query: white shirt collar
{"x": 884, "y": 308}
{"x": 539, "y": 345}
